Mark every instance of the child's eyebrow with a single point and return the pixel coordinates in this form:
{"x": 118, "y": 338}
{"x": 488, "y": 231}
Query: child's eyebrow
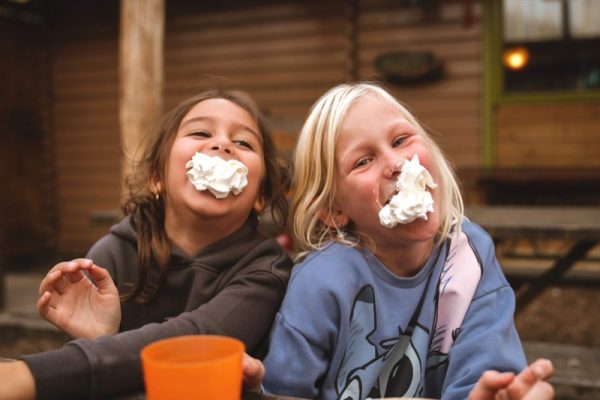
{"x": 403, "y": 124}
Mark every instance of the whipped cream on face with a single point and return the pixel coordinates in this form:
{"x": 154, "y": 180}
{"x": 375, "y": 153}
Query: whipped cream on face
{"x": 217, "y": 175}
{"x": 412, "y": 200}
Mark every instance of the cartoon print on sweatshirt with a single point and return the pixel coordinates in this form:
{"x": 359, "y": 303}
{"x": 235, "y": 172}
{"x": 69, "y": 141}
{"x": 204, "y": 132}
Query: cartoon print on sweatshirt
{"x": 397, "y": 367}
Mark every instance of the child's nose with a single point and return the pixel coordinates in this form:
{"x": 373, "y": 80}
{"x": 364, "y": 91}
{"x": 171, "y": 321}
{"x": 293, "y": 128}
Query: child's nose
{"x": 392, "y": 167}
{"x": 391, "y": 171}
{"x": 221, "y": 145}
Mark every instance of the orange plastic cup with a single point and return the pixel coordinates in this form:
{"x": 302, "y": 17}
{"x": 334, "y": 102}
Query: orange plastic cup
{"x": 193, "y": 367}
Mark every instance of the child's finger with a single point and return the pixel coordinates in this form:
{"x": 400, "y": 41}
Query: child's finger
{"x": 74, "y": 269}
{"x": 53, "y": 281}
{"x": 53, "y": 277}
{"x": 67, "y": 267}
{"x": 48, "y": 313}
{"x": 543, "y": 368}
{"x": 542, "y": 390}
{"x": 101, "y": 278}
{"x": 253, "y": 372}
{"x": 540, "y": 369}
{"x": 489, "y": 384}
{"x": 43, "y": 304}
{"x": 75, "y": 276}
{"x": 55, "y": 299}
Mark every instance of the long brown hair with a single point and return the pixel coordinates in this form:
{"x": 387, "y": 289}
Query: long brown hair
{"x": 147, "y": 207}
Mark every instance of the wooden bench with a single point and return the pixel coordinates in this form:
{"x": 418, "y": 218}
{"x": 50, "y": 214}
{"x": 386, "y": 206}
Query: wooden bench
{"x": 578, "y": 225}
{"x": 532, "y": 186}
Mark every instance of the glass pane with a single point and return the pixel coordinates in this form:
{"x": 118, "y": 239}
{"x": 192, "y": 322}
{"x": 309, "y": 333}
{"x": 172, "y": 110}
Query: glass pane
{"x": 584, "y": 18}
{"x": 551, "y": 45}
{"x": 532, "y": 20}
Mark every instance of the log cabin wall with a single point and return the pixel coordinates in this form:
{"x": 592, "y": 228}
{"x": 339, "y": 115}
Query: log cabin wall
{"x": 450, "y": 107}
{"x": 285, "y": 53}
{"x": 289, "y": 53}
{"x": 85, "y": 119}
{"x": 26, "y": 190}
{"x": 538, "y": 136}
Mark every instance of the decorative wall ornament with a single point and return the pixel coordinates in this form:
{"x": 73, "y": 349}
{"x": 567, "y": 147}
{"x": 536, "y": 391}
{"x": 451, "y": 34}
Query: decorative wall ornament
{"x": 409, "y": 67}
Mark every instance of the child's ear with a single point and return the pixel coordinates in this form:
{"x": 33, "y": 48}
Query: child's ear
{"x": 259, "y": 205}
{"x": 334, "y": 218}
{"x": 155, "y": 186}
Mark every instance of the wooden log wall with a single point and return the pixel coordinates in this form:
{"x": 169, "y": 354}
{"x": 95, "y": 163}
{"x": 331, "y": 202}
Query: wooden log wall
{"x": 26, "y": 191}
{"x": 450, "y": 108}
{"x": 548, "y": 135}
{"x": 85, "y": 113}
{"x": 285, "y": 53}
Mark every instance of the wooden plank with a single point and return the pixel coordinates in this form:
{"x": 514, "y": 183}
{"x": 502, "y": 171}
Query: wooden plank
{"x": 231, "y": 14}
{"x": 140, "y": 44}
{"x": 533, "y": 114}
{"x": 506, "y": 222}
{"x": 455, "y": 51}
{"x": 279, "y": 62}
{"x": 251, "y": 33}
{"x": 419, "y": 34}
{"x": 467, "y": 87}
{"x": 520, "y": 275}
{"x": 103, "y": 106}
{"x": 303, "y": 45}
{"x": 534, "y": 156}
{"x": 87, "y": 93}
{"x": 267, "y": 79}
{"x": 393, "y": 12}
{"x": 451, "y": 68}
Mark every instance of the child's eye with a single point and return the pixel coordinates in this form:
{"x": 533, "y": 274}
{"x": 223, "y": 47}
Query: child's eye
{"x": 398, "y": 141}
{"x": 203, "y": 134}
{"x": 361, "y": 163}
{"x": 244, "y": 143}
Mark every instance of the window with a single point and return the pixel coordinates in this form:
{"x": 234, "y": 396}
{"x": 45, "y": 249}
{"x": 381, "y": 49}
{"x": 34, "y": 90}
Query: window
{"x": 550, "y": 45}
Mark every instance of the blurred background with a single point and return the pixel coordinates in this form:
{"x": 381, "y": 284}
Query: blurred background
{"x": 510, "y": 89}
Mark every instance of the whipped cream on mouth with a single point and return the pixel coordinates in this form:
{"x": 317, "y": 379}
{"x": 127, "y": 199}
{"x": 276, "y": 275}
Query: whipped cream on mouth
{"x": 412, "y": 200}
{"x": 216, "y": 175}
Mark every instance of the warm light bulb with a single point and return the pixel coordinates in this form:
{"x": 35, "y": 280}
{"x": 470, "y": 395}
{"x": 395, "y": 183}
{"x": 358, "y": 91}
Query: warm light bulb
{"x": 516, "y": 58}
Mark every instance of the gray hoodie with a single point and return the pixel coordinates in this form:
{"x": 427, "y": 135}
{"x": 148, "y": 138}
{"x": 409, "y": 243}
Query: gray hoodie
{"x": 233, "y": 287}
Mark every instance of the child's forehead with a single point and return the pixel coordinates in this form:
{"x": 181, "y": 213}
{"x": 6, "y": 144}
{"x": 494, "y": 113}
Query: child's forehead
{"x": 372, "y": 111}
{"x": 373, "y": 103}
{"x": 221, "y": 110}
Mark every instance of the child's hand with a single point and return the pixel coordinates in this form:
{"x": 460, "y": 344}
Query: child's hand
{"x": 253, "y": 372}
{"x": 80, "y": 307}
{"x": 530, "y": 384}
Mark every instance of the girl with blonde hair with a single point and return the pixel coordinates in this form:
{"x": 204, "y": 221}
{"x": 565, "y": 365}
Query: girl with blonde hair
{"x": 397, "y": 294}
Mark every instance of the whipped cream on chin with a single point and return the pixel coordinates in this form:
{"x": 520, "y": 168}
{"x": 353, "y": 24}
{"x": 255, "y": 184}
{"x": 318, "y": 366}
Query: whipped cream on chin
{"x": 413, "y": 200}
{"x": 217, "y": 175}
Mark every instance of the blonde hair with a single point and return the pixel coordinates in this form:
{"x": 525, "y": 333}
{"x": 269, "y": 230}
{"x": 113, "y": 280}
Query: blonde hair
{"x": 314, "y": 170}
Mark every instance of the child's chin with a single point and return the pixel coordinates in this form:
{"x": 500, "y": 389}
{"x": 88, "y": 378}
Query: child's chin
{"x": 424, "y": 229}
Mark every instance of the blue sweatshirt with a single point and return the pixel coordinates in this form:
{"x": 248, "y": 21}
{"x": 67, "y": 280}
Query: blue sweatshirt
{"x": 350, "y": 329}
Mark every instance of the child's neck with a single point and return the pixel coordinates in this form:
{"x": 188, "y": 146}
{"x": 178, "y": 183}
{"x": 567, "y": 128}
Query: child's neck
{"x": 405, "y": 260}
{"x": 193, "y": 235}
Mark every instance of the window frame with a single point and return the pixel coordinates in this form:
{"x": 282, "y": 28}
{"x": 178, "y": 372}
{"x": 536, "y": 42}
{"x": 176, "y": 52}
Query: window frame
{"x": 493, "y": 80}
